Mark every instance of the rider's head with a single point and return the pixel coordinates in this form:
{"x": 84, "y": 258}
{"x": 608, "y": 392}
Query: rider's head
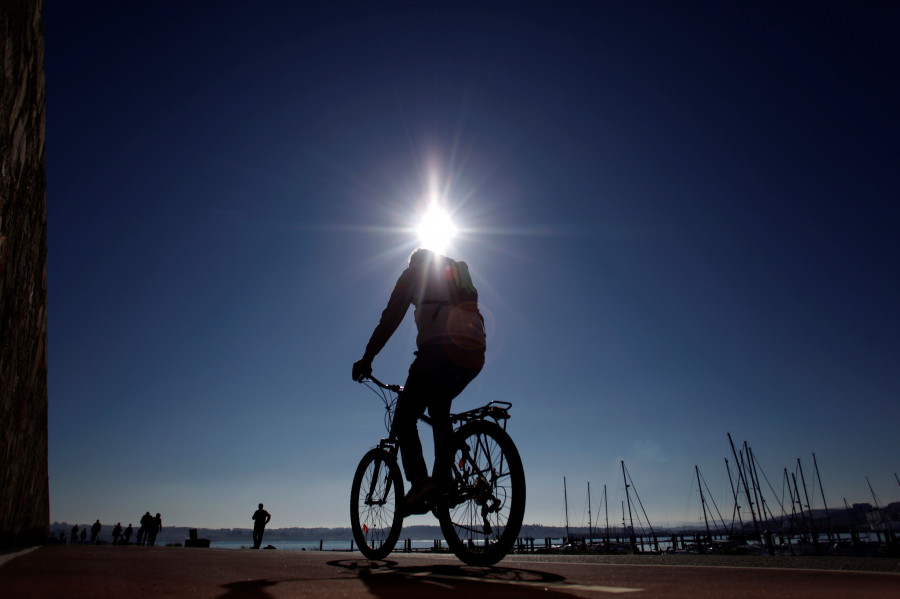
{"x": 260, "y": 506}
{"x": 422, "y": 256}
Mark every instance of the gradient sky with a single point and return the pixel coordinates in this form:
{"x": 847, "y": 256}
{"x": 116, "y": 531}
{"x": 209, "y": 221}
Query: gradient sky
{"x": 682, "y": 221}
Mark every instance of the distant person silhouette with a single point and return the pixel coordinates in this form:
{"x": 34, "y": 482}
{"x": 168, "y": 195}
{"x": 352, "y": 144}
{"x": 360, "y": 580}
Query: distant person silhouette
{"x": 117, "y": 532}
{"x": 260, "y": 518}
{"x": 128, "y": 532}
{"x": 146, "y": 520}
{"x": 62, "y": 537}
{"x": 451, "y": 345}
{"x": 155, "y": 527}
{"x": 74, "y": 534}
{"x": 83, "y": 535}
{"x": 95, "y": 530}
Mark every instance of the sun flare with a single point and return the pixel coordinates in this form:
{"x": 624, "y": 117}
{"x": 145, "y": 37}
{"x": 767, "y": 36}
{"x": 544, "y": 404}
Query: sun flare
{"x": 436, "y": 229}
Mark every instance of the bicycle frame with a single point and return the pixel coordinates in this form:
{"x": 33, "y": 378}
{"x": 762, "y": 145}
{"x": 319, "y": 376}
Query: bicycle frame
{"x": 498, "y": 411}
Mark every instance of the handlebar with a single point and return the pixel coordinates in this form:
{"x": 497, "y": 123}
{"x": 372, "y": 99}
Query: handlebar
{"x": 394, "y": 388}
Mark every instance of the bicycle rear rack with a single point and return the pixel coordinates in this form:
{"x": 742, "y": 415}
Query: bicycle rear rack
{"x": 495, "y": 410}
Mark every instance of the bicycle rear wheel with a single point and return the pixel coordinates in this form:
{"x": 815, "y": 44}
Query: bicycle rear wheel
{"x": 482, "y": 514}
{"x": 374, "y": 498}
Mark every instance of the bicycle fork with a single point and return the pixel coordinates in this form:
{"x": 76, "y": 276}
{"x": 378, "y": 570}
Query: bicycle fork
{"x": 373, "y": 486}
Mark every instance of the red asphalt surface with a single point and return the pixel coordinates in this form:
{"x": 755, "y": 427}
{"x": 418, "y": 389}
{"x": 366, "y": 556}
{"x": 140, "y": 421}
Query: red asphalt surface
{"x": 138, "y": 572}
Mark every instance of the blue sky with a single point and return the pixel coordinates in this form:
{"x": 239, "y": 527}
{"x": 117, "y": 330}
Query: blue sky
{"x": 682, "y": 221}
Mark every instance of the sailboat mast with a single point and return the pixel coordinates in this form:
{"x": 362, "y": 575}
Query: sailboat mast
{"x": 822, "y": 491}
{"x": 877, "y": 507}
{"x": 736, "y": 496}
{"x": 787, "y": 481}
{"x": 761, "y": 501}
{"x": 566, "y": 499}
{"x": 812, "y": 521}
{"x": 754, "y": 482}
{"x": 799, "y": 502}
{"x": 743, "y": 481}
{"x": 590, "y": 529}
{"x": 606, "y": 507}
{"x": 627, "y": 497}
{"x": 630, "y": 519}
{"x": 702, "y": 502}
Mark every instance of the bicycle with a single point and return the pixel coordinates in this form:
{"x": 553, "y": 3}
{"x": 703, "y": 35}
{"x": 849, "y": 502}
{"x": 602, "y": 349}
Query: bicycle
{"x": 481, "y": 503}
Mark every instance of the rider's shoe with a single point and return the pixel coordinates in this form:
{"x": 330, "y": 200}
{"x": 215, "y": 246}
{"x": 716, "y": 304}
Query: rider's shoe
{"x": 415, "y": 501}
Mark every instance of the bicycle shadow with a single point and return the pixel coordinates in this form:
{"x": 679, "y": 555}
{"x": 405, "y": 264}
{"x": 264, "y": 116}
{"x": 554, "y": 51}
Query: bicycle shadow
{"x": 248, "y": 589}
{"x": 386, "y": 578}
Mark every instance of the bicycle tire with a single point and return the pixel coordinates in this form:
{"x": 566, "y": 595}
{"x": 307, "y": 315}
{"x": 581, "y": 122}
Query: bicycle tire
{"x": 376, "y": 521}
{"x": 489, "y": 488}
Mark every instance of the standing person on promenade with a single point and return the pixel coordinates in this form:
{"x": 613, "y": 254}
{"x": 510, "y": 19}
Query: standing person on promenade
{"x": 117, "y": 532}
{"x": 128, "y": 532}
{"x": 74, "y": 534}
{"x": 146, "y": 519}
{"x": 260, "y": 518}
{"x": 155, "y": 527}
{"x": 95, "y": 530}
{"x": 451, "y": 345}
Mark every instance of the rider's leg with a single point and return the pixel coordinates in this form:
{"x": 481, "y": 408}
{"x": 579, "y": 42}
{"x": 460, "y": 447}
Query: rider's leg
{"x": 436, "y": 376}
{"x": 427, "y": 383}
{"x": 409, "y": 409}
{"x": 442, "y": 429}
{"x": 458, "y": 369}
{"x": 410, "y": 406}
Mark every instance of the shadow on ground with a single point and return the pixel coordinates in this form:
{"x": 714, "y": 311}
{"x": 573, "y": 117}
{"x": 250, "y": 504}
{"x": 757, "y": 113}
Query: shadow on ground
{"x": 385, "y": 578}
{"x": 248, "y": 589}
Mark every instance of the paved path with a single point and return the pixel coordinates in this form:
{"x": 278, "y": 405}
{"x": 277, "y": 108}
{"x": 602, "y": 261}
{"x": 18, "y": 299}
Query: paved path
{"x": 137, "y": 572}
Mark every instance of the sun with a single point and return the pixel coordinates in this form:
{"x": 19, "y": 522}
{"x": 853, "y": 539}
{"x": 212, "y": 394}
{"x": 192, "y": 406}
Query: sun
{"x": 436, "y": 229}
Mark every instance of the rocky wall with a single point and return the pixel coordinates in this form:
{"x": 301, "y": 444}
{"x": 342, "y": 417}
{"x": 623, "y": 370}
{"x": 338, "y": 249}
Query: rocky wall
{"x": 24, "y": 493}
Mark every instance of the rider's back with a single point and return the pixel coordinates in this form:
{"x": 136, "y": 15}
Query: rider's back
{"x": 446, "y": 304}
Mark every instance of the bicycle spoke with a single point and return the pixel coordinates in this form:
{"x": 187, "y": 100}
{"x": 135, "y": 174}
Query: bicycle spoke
{"x": 374, "y": 518}
{"x": 484, "y": 514}
{"x": 479, "y": 459}
{"x": 379, "y": 504}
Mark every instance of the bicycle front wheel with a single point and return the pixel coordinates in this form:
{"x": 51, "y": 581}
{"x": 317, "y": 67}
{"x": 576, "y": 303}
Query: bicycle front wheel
{"x": 374, "y": 498}
{"x": 483, "y": 513}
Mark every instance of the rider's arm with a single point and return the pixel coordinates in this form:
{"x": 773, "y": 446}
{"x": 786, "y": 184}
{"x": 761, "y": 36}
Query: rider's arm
{"x": 393, "y": 314}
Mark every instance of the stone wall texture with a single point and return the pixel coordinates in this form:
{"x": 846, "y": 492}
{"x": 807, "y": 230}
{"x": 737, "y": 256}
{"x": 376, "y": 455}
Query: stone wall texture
{"x": 24, "y": 487}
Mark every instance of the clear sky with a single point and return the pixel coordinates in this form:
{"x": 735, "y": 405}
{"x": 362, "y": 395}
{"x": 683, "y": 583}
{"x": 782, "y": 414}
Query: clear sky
{"x": 682, "y": 220}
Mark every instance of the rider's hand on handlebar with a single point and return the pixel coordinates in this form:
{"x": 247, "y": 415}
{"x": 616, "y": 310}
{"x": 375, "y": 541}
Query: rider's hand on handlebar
{"x": 361, "y": 370}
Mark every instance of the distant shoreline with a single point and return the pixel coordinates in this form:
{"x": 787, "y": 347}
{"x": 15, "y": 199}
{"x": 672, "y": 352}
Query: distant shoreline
{"x": 172, "y": 534}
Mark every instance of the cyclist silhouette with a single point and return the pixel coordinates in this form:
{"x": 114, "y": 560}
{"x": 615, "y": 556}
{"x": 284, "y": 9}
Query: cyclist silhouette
{"x": 451, "y": 346}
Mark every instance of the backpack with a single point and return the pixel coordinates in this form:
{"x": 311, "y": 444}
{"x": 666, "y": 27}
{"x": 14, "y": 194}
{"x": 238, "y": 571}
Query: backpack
{"x": 459, "y": 283}
{"x": 463, "y": 325}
